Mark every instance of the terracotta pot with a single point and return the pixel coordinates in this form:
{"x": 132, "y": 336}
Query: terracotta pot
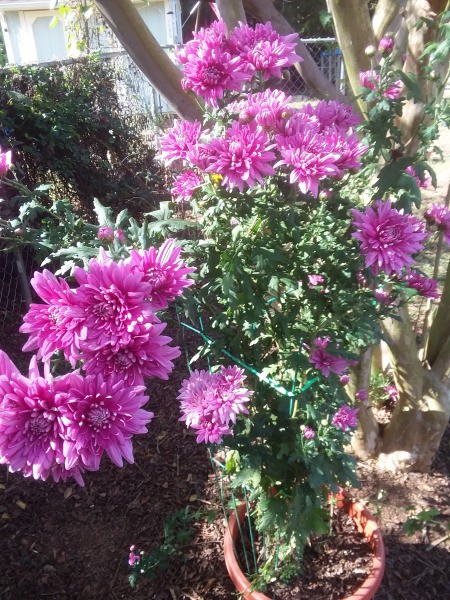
{"x": 365, "y": 523}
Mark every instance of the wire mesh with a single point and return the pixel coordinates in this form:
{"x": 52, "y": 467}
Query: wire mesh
{"x": 13, "y": 294}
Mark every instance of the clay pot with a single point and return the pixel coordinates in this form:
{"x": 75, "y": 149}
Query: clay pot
{"x": 365, "y": 524}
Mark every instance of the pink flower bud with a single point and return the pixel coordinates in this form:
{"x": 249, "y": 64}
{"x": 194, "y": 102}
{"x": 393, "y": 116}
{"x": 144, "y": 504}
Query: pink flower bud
{"x": 106, "y": 234}
{"x": 386, "y": 44}
{"x": 119, "y": 234}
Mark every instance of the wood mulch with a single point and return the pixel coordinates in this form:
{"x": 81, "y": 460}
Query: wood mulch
{"x": 64, "y": 542}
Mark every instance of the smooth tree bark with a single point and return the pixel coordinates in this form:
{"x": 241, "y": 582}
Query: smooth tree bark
{"x": 134, "y": 35}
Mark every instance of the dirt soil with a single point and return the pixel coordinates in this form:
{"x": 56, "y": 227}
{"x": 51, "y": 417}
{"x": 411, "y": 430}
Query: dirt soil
{"x": 69, "y": 543}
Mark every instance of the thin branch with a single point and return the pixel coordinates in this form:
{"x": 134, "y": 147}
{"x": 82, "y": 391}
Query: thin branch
{"x": 436, "y": 268}
{"x": 440, "y": 328}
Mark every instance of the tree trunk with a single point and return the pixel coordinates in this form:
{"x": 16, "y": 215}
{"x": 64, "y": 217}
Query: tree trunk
{"x": 413, "y": 111}
{"x": 143, "y": 48}
{"x": 231, "y": 12}
{"x": 365, "y": 442}
{"x": 412, "y": 438}
{"x": 385, "y": 13}
{"x": 354, "y": 33}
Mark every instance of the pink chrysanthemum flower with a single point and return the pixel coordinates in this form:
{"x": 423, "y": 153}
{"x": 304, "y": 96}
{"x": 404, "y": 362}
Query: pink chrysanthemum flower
{"x": 57, "y": 325}
{"x": 388, "y": 238}
{"x": 325, "y": 361}
{"x": 347, "y": 148}
{"x": 315, "y": 280}
{"x": 5, "y": 161}
{"x": 311, "y": 157}
{"x": 265, "y": 49}
{"x": 177, "y": 140}
{"x": 105, "y": 233}
{"x": 308, "y": 433}
{"x": 269, "y": 109}
{"x": 185, "y": 185}
{"x": 361, "y": 395}
{"x": 199, "y": 156}
{"x": 209, "y": 402}
{"x": 113, "y": 298}
{"x": 213, "y": 36}
{"x": 7, "y": 367}
{"x": 164, "y": 270}
{"x": 119, "y": 235}
{"x": 333, "y": 113}
{"x": 425, "y": 286}
{"x": 369, "y": 79}
{"x": 424, "y": 183}
{"x": 346, "y": 417}
{"x": 144, "y": 353}
{"x": 102, "y": 415}
{"x": 439, "y": 215}
{"x": 31, "y": 426}
{"x": 213, "y": 71}
{"x": 242, "y": 156}
{"x": 392, "y": 392}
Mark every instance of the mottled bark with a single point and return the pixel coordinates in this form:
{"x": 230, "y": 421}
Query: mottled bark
{"x": 413, "y": 111}
{"x": 386, "y": 12}
{"x": 365, "y": 442}
{"x": 354, "y": 33}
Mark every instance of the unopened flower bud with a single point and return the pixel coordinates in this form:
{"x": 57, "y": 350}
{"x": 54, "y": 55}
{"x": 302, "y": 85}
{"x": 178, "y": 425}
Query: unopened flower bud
{"x": 106, "y": 234}
{"x": 370, "y": 51}
{"x": 18, "y": 231}
{"x": 325, "y": 194}
{"x": 386, "y": 44}
{"x": 324, "y": 422}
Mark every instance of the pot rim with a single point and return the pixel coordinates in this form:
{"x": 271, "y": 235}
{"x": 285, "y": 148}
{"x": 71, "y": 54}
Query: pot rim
{"x": 365, "y": 523}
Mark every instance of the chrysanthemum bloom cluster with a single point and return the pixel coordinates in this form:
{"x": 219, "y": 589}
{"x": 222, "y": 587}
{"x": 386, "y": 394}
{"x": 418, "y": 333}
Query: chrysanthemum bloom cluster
{"x": 345, "y": 417}
{"x": 60, "y": 426}
{"x": 389, "y": 239}
{"x": 371, "y": 80}
{"x": 211, "y": 401}
{"x": 259, "y": 134}
{"x": 439, "y": 215}
{"x": 109, "y": 320}
{"x": 63, "y": 425}
{"x": 325, "y": 361}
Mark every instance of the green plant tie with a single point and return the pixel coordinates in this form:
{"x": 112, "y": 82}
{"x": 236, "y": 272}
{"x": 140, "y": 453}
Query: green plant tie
{"x": 247, "y": 506}
{"x": 233, "y": 500}
{"x": 273, "y": 384}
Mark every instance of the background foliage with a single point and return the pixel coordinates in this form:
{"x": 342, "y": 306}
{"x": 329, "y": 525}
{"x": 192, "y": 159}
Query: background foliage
{"x": 64, "y": 125}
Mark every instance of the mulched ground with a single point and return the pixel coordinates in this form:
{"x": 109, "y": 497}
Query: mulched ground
{"x": 65, "y": 542}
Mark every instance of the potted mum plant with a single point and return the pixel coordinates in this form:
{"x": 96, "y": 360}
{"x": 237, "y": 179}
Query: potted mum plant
{"x": 294, "y": 278}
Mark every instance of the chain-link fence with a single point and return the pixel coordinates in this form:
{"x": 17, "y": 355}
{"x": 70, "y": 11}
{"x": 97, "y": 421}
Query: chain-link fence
{"x": 328, "y": 58}
{"x": 16, "y": 269}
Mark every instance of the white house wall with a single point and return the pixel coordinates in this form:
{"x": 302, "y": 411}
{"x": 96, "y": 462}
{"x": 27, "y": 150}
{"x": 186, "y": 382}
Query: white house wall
{"x": 28, "y": 40}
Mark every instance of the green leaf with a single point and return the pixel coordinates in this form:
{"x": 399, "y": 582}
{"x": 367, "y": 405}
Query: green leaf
{"x": 104, "y": 214}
